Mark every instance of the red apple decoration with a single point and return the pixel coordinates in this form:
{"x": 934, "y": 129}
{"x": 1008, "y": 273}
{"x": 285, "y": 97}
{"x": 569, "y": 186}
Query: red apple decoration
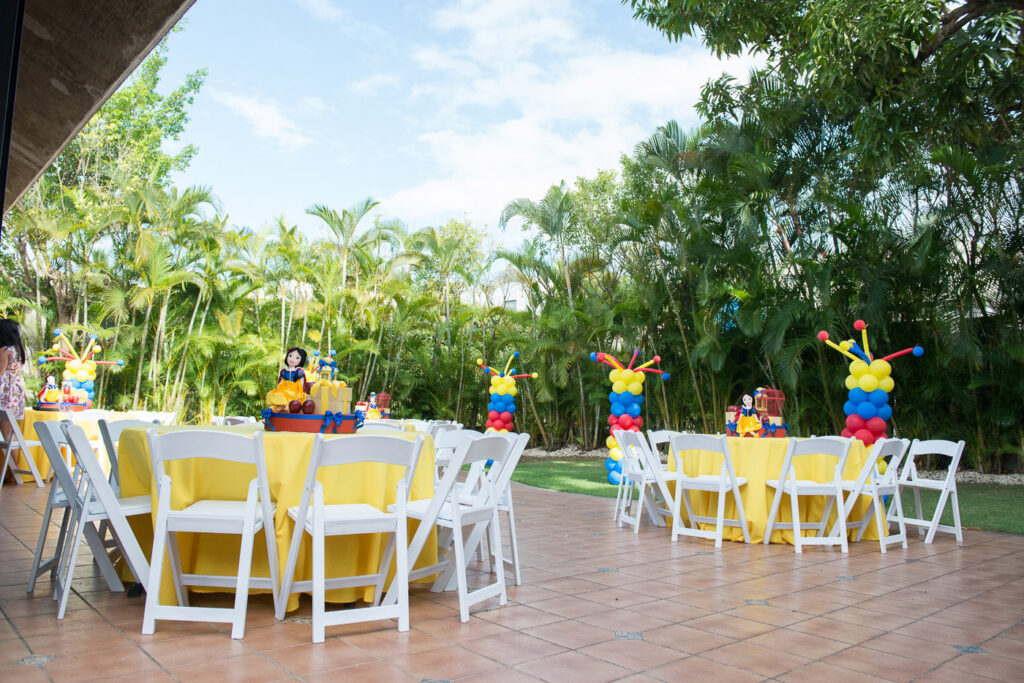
{"x": 294, "y": 407}
{"x": 308, "y": 407}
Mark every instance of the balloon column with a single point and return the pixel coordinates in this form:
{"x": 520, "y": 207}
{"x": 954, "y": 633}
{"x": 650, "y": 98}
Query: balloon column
{"x": 79, "y": 368}
{"x": 870, "y": 382}
{"x": 501, "y": 409}
{"x": 626, "y": 398}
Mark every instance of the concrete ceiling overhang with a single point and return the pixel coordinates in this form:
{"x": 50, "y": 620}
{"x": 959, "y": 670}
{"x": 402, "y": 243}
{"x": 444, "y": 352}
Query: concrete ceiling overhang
{"x": 74, "y": 55}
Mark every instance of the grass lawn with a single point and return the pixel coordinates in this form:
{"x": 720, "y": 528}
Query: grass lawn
{"x": 992, "y": 507}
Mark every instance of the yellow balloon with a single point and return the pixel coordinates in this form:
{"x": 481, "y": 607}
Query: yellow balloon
{"x": 851, "y": 382}
{"x": 880, "y": 368}
{"x": 74, "y": 365}
{"x": 627, "y": 376}
{"x": 858, "y": 368}
{"x": 615, "y": 375}
{"x": 610, "y": 442}
{"x": 886, "y": 384}
{"x": 67, "y": 374}
{"x": 513, "y": 391}
{"x": 82, "y": 375}
{"x": 640, "y": 377}
{"x": 495, "y": 380}
{"x": 509, "y": 382}
{"x": 500, "y": 389}
{"x": 845, "y": 345}
{"x": 636, "y": 388}
{"x": 615, "y": 453}
{"x": 96, "y": 348}
{"x": 503, "y": 431}
{"x": 619, "y": 386}
{"x": 868, "y": 382}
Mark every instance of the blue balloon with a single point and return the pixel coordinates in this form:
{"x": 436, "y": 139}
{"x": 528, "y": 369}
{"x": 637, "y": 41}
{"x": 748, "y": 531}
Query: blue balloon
{"x": 866, "y": 410}
{"x": 884, "y": 412}
{"x": 76, "y": 384}
{"x": 88, "y": 384}
{"x": 613, "y": 397}
{"x": 42, "y": 361}
{"x": 614, "y": 478}
{"x": 633, "y": 410}
{"x": 918, "y": 351}
{"x": 665, "y": 376}
{"x": 92, "y": 395}
{"x": 609, "y": 464}
{"x": 638, "y": 399}
{"x": 849, "y": 408}
{"x": 593, "y": 356}
{"x": 509, "y": 399}
{"x": 879, "y": 397}
{"x": 858, "y": 395}
{"x": 617, "y": 409}
{"x": 120, "y": 363}
{"x": 511, "y": 408}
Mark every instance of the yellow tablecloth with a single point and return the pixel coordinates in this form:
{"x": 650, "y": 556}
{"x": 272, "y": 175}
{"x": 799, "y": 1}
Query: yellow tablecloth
{"x": 758, "y": 460}
{"x": 28, "y": 429}
{"x": 287, "y": 456}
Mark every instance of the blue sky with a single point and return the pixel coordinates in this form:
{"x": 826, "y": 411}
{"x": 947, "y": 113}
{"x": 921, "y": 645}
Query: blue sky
{"x": 436, "y": 109}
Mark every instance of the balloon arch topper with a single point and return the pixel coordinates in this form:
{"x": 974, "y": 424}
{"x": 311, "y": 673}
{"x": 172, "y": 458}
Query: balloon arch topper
{"x": 501, "y": 408}
{"x": 626, "y": 397}
{"x": 870, "y": 382}
{"x": 79, "y": 368}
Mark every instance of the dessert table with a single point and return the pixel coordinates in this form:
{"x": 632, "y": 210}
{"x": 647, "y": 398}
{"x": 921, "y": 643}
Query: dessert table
{"x": 287, "y": 455}
{"x": 758, "y": 460}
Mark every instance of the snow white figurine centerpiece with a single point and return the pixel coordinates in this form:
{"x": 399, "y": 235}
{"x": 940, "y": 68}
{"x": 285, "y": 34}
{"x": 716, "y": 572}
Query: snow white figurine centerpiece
{"x": 292, "y": 408}
{"x": 759, "y": 415}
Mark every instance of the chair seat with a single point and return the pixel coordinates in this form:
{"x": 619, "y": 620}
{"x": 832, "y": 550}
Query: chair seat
{"x": 417, "y": 509}
{"x": 804, "y": 487}
{"x": 215, "y": 509}
{"x": 930, "y": 484}
{"x": 29, "y": 443}
{"x": 353, "y": 517}
{"x": 709, "y": 480}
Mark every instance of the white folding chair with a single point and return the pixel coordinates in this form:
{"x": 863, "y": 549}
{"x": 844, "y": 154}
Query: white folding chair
{"x": 435, "y": 429}
{"x": 320, "y": 519}
{"x": 445, "y": 445}
{"x": 876, "y": 486}
{"x": 238, "y": 420}
{"x": 110, "y": 433}
{"x": 659, "y": 437}
{"x": 643, "y": 470}
{"x": 381, "y": 426}
{"x": 831, "y": 489}
{"x": 14, "y": 445}
{"x": 242, "y": 517}
{"x": 946, "y": 487}
{"x": 721, "y": 484}
{"x": 506, "y": 507}
{"x": 476, "y": 511}
{"x": 53, "y": 442}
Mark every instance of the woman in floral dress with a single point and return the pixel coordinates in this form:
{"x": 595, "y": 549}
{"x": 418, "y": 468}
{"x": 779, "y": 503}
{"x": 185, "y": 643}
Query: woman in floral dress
{"x": 12, "y": 386}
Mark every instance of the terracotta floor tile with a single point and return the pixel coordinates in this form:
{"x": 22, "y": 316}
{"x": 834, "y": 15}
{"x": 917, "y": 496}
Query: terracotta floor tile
{"x": 391, "y": 642}
{"x": 637, "y": 655}
{"x": 371, "y": 672}
{"x": 313, "y": 657}
{"x": 29, "y": 674}
{"x": 571, "y": 634}
{"x": 454, "y": 631}
{"x": 573, "y": 666}
{"x": 98, "y": 665}
{"x": 506, "y": 675}
{"x": 816, "y": 672}
{"x": 837, "y": 630}
{"x": 870, "y": 618}
{"x": 768, "y": 614}
{"x": 12, "y": 650}
{"x": 93, "y": 639}
{"x": 445, "y": 663}
{"x": 760, "y": 660}
{"x": 182, "y": 652}
{"x": 879, "y": 664}
{"x": 251, "y": 668}
{"x": 636, "y": 619}
{"x": 278, "y": 635}
{"x": 569, "y": 606}
{"x": 993, "y": 666}
{"x": 519, "y": 617}
{"x": 686, "y": 639}
{"x": 700, "y": 669}
{"x": 946, "y": 674}
{"x": 512, "y": 648}
{"x": 729, "y": 626}
{"x": 797, "y": 643}
{"x": 905, "y": 646}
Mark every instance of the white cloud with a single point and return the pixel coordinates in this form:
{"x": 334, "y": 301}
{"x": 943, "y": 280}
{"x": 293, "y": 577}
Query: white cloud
{"x": 561, "y": 104}
{"x": 323, "y": 9}
{"x": 374, "y": 83}
{"x": 266, "y": 117}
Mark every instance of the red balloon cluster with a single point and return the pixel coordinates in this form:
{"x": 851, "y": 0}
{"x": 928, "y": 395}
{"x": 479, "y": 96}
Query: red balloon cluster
{"x": 867, "y": 431}
{"x": 499, "y": 421}
{"x": 626, "y": 422}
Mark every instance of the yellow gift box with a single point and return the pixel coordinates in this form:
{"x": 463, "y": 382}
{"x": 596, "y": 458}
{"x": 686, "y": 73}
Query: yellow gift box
{"x": 332, "y": 395}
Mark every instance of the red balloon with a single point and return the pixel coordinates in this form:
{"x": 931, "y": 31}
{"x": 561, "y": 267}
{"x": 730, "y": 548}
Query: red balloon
{"x": 625, "y": 421}
{"x": 506, "y": 416}
{"x": 615, "y": 428}
{"x": 489, "y": 424}
{"x": 508, "y": 426}
{"x": 855, "y": 422}
{"x": 846, "y": 433}
{"x": 634, "y": 429}
{"x": 638, "y": 421}
{"x": 492, "y": 415}
{"x": 864, "y": 435}
{"x": 876, "y": 426}
{"x": 612, "y": 420}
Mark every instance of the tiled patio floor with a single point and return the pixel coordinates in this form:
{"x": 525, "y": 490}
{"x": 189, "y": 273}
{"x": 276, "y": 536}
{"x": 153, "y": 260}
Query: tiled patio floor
{"x": 597, "y": 604}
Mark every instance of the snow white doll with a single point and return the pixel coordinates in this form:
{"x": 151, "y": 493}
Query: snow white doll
{"x": 291, "y": 381}
{"x": 748, "y": 423}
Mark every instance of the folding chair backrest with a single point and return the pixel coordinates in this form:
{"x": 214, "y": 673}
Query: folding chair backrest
{"x": 833, "y": 446}
{"x": 110, "y": 432}
{"x": 439, "y": 428}
{"x": 16, "y": 434}
{"x": 893, "y": 449}
{"x": 701, "y": 442}
{"x": 635, "y": 444}
{"x": 504, "y": 450}
{"x": 384, "y": 426}
{"x": 451, "y": 439}
{"x": 502, "y": 476}
{"x": 208, "y": 444}
{"x": 919, "y": 449}
{"x": 632, "y": 457}
{"x": 52, "y": 437}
